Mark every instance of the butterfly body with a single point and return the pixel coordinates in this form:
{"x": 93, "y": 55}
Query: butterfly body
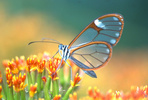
{"x": 64, "y": 51}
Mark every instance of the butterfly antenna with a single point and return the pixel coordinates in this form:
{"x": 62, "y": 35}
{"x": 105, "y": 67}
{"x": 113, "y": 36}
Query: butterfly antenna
{"x": 42, "y": 42}
{"x": 50, "y": 39}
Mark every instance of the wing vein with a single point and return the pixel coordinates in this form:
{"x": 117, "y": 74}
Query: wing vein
{"x": 108, "y": 35}
{"x": 97, "y": 58}
{"x": 91, "y": 53}
{"x": 87, "y": 61}
{"x": 111, "y": 30}
{"x": 95, "y": 37}
{"x": 113, "y": 25}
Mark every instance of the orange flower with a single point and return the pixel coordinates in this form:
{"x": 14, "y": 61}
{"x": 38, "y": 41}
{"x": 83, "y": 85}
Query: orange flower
{"x": 33, "y": 90}
{"x": 118, "y": 95}
{"x": 18, "y": 82}
{"x": 44, "y": 79}
{"x": 13, "y": 67}
{"x": 73, "y": 97}
{"x": 5, "y": 63}
{"x": 57, "y": 97}
{"x": 137, "y": 92}
{"x": 15, "y": 64}
{"x": 32, "y": 63}
{"x": 20, "y": 62}
{"x": 9, "y": 77}
{"x": 76, "y": 80}
{"x": 41, "y": 65}
{"x": 53, "y": 68}
{"x": 95, "y": 95}
{"x": 110, "y": 95}
{"x": 145, "y": 89}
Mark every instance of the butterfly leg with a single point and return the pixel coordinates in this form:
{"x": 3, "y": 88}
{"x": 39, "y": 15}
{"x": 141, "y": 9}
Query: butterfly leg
{"x": 59, "y": 64}
{"x": 54, "y": 54}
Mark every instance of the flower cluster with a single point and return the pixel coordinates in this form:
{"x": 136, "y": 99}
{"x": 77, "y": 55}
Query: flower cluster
{"x": 41, "y": 76}
{"x": 136, "y": 93}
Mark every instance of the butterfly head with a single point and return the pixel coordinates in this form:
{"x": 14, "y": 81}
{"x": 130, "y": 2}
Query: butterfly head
{"x": 61, "y": 46}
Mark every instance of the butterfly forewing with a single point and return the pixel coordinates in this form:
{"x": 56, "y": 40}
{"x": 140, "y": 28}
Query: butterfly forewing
{"x": 107, "y": 28}
{"x": 93, "y": 54}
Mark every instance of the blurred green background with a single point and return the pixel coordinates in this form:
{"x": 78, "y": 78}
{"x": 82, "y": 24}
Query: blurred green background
{"x": 22, "y": 21}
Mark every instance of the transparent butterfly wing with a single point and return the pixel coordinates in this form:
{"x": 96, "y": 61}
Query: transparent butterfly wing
{"x": 107, "y": 28}
{"x": 81, "y": 65}
{"x": 93, "y": 55}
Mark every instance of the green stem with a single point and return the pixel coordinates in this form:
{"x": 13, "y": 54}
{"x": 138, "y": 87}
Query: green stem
{"x": 46, "y": 89}
{"x": 17, "y": 96}
{"x": 29, "y": 80}
{"x": 39, "y": 78}
{"x": 10, "y": 93}
{"x": 61, "y": 75}
{"x": 7, "y": 89}
{"x": 67, "y": 80}
{"x": 48, "y": 83}
{"x": 33, "y": 77}
{"x": 42, "y": 83}
{"x": 23, "y": 95}
{"x": 55, "y": 87}
{"x": 4, "y": 91}
{"x": 66, "y": 96}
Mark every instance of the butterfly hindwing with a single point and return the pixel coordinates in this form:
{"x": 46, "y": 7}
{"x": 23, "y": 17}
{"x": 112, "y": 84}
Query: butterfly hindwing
{"x": 93, "y": 54}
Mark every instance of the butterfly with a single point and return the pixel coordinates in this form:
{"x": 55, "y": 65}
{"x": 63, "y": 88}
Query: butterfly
{"x": 92, "y": 47}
